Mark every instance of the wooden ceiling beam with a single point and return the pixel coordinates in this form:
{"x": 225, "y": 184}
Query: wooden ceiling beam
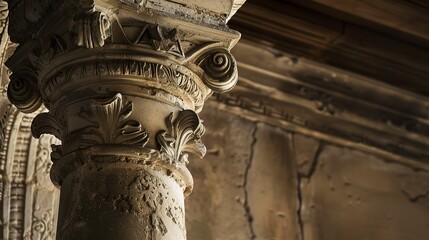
{"x": 331, "y": 39}
{"x": 406, "y": 19}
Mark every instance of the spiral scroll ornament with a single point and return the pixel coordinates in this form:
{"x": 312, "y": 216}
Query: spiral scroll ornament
{"x": 220, "y": 70}
{"x": 24, "y": 94}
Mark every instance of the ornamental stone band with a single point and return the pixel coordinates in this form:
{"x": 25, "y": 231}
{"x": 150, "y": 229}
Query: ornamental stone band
{"x": 124, "y": 82}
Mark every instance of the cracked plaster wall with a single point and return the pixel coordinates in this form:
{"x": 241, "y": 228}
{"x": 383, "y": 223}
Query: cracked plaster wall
{"x": 353, "y": 195}
{"x": 261, "y": 182}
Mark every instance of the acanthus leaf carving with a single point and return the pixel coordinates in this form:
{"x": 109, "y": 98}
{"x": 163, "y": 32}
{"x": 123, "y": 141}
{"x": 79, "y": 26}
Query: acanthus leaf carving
{"x": 167, "y": 41}
{"x": 183, "y": 135}
{"x": 111, "y": 124}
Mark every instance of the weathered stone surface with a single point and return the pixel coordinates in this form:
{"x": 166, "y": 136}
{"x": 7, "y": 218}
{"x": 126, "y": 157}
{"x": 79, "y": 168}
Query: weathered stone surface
{"x": 354, "y": 196}
{"x": 306, "y": 150}
{"x": 216, "y": 210}
{"x": 121, "y": 201}
{"x": 272, "y": 185}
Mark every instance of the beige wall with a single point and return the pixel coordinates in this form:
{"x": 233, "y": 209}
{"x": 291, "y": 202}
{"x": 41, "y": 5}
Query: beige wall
{"x": 248, "y": 186}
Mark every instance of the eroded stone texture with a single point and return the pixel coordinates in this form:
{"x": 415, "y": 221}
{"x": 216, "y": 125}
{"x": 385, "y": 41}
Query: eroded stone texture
{"x": 246, "y": 188}
{"x": 353, "y": 195}
{"x": 272, "y": 185}
{"x": 306, "y": 150}
{"x": 121, "y": 201}
{"x": 217, "y": 208}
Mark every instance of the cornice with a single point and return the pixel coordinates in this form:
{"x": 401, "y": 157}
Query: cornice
{"x": 28, "y": 18}
{"x": 376, "y": 51}
{"x": 330, "y": 104}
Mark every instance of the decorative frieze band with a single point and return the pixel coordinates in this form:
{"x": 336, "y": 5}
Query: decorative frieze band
{"x": 188, "y": 89}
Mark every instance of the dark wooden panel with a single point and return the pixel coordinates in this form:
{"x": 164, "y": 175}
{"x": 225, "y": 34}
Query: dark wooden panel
{"x": 404, "y": 18}
{"x": 382, "y": 53}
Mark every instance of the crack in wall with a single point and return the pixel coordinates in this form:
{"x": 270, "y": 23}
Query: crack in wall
{"x": 315, "y": 161}
{"x": 415, "y": 197}
{"x": 245, "y": 180}
{"x": 314, "y": 164}
{"x": 415, "y": 188}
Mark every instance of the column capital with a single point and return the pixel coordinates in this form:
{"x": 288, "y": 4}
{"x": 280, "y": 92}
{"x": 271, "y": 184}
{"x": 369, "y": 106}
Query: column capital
{"x": 184, "y": 51}
{"x": 91, "y": 60}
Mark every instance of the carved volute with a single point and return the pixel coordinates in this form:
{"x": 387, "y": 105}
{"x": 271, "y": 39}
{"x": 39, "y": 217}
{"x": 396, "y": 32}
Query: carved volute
{"x": 124, "y": 82}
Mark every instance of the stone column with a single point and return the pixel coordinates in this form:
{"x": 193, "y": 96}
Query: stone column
{"x": 124, "y": 82}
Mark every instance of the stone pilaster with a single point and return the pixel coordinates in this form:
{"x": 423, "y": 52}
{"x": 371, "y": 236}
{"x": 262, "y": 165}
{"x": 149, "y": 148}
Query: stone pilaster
{"x": 124, "y": 82}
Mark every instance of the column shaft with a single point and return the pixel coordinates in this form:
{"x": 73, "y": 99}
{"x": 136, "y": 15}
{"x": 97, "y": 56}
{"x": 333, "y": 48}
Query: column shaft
{"x": 111, "y": 198}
